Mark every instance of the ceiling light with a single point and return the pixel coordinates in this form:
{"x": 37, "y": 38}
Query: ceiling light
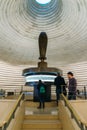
{"x": 43, "y": 1}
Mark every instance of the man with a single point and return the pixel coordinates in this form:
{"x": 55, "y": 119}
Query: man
{"x": 72, "y": 86}
{"x": 41, "y": 92}
{"x": 60, "y": 86}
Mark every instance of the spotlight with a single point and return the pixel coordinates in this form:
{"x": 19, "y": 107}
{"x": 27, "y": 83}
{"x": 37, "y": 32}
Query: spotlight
{"x": 43, "y": 1}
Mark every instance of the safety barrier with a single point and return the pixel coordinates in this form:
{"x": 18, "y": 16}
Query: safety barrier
{"x": 4, "y": 125}
{"x": 82, "y": 125}
{"x": 81, "y": 92}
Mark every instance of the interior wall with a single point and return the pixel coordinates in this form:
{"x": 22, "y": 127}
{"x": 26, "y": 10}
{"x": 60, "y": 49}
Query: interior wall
{"x": 80, "y": 72}
{"x": 11, "y": 76}
{"x": 17, "y": 122}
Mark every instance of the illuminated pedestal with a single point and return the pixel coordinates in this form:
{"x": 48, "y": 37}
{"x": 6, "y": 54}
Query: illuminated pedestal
{"x": 46, "y": 75}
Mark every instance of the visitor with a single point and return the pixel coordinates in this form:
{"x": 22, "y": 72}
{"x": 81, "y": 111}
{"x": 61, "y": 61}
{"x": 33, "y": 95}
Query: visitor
{"x": 60, "y": 86}
{"x": 72, "y": 86}
{"x": 41, "y": 93}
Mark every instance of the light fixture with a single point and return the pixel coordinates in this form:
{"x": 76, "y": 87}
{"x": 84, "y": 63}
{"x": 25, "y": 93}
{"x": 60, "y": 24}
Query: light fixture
{"x": 43, "y": 1}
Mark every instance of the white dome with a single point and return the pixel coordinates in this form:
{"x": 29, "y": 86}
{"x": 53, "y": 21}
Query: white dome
{"x": 64, "y": 21}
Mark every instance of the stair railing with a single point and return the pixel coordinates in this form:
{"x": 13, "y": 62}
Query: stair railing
{"x": 82, "y": 125}
{"x": 4, "y": 125}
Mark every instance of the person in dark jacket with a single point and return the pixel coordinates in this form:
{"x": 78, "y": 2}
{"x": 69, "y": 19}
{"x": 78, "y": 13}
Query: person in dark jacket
{"x": 60, "y": 86}
{"x": 41, "y": 93}
{"x": 72, "y": 86}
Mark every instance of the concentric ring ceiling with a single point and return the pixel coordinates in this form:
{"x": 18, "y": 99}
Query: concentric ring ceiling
{"x": 64, "y": 21}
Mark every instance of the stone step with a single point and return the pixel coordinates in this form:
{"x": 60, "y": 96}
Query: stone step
{"x": 36, "y": 104}
{"x": 40, "y": 117}
{"x": 43, "y": 129}
{"x": 42, "y": 124}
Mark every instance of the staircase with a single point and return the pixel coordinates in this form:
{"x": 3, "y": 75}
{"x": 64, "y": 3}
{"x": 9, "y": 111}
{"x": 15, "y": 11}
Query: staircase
{"x": 41, "y": 119}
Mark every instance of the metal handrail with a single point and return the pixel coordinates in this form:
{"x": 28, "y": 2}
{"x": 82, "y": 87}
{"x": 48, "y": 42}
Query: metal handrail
{"x": 11, "y": 115}
{"x": 81, "y": 124}
{"x": 82, "y": 89}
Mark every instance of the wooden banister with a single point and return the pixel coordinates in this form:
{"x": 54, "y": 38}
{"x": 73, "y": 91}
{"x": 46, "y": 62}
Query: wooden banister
{"x": 11, "y": 114}
{"x": 74, "y": 114}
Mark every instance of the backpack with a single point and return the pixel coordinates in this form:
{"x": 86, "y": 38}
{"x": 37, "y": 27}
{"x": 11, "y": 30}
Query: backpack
{"x": 42, "y": 89}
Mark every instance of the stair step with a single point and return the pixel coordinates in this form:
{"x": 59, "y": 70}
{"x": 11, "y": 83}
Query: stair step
{"x": 35, "y": 104}
{"x": 41, "y": 117}
{"x": 43, "y": 129}
{"x": 44, "y": 124}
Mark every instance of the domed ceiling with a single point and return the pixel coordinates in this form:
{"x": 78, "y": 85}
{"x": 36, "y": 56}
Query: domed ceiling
{"x": 64, "y": 21}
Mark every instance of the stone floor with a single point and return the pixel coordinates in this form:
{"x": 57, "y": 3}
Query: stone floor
{"x": 33, "y": 111}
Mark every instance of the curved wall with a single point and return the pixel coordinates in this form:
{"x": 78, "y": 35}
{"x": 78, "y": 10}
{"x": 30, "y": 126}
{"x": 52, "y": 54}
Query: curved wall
{"x": 80, "y": 73}
{"x": 11, "y": 76}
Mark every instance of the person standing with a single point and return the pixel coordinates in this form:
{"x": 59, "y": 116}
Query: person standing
{"x": 41, "y": 93}
{"x": 60, "y": 85}
{"x": 72, "y": 86}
